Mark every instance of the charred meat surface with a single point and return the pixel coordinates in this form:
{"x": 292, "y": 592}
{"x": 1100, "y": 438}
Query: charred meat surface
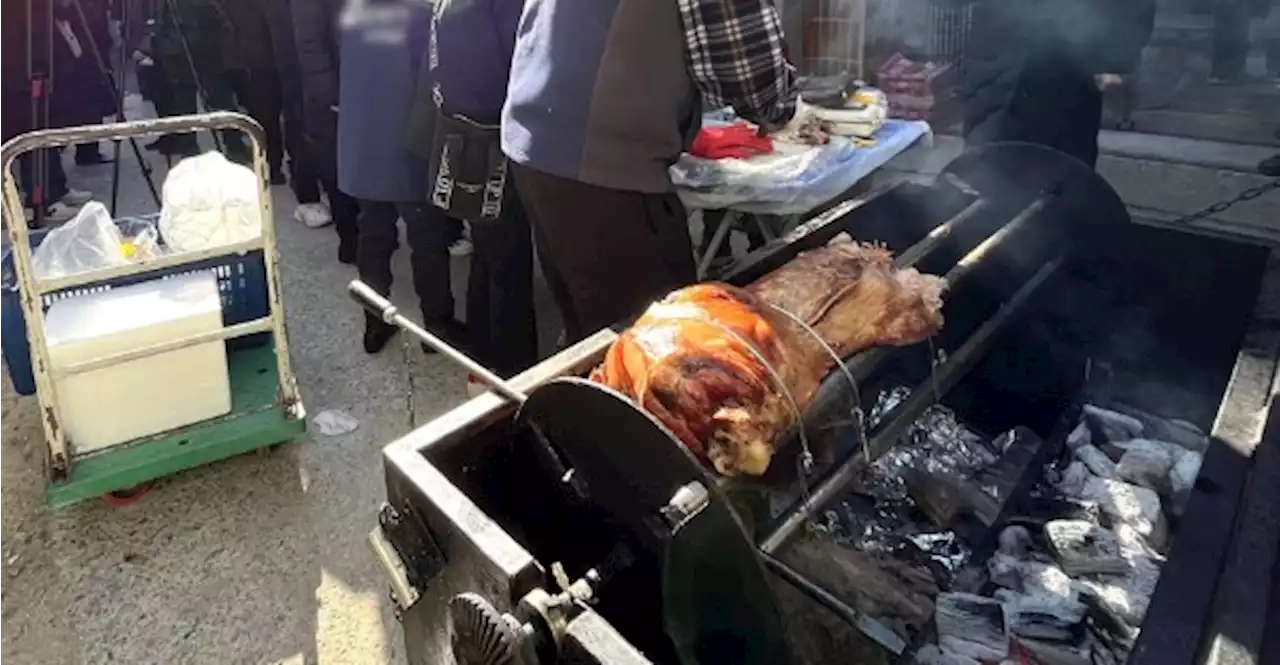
{"x": 728, "y": 370}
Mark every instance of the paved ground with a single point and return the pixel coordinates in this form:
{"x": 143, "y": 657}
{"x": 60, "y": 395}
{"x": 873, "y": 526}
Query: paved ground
{"x": 253, "y": 560}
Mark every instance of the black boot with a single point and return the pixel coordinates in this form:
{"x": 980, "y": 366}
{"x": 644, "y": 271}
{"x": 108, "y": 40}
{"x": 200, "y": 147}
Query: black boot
{"x": 452, "y": 332}
{"x": 180, "y": 145}
{"x": 377, "y": 334}
{"x": 1270, "y": 166}
{"x": 87, "y": 154}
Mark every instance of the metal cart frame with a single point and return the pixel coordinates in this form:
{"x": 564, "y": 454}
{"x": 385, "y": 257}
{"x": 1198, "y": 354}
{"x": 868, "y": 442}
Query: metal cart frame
{"x": 268, "y": 421}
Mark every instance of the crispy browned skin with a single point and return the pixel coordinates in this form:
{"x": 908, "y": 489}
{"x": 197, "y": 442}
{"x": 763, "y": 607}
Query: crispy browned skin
{"x": 697, "y": 359}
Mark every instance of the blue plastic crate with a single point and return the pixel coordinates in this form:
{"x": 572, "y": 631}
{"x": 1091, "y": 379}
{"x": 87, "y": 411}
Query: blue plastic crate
{"x": 242, "y": 281}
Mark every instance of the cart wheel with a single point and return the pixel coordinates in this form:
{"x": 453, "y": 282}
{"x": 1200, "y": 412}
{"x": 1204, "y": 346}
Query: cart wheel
{"x": 266, "y": 451}
{"x": 126, "y": 497}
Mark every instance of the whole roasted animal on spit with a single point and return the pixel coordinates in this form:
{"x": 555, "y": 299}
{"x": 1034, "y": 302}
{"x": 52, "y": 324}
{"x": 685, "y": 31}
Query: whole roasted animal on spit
{"x": 720, "y": 365}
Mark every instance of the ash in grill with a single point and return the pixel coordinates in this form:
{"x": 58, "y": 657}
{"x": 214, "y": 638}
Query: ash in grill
{"x": 1075, "y": 565}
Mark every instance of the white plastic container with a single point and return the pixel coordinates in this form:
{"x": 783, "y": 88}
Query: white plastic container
{"x": 110, "y": 405}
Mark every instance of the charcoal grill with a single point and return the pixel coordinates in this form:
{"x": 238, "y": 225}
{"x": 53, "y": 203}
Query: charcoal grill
{"x": 571, "y": 527}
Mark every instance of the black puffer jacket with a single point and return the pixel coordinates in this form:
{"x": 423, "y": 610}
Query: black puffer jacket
{"x": 285, "y": 47}
{"x": 315, "y": 26}
{"x": 1031, "y": 58}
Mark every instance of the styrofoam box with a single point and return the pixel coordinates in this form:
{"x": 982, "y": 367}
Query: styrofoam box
{"x": 118, "y": 403}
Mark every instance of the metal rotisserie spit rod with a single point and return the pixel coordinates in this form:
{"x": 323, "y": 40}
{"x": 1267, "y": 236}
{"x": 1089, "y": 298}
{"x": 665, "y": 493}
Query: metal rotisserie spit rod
{"x": 898, "y": 420}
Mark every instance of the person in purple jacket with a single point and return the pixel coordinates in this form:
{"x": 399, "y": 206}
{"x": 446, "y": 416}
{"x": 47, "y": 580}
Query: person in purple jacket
{"x": 455, "y": 127}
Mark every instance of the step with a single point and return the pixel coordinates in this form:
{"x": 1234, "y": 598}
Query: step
{"x": 1161, "y": 179}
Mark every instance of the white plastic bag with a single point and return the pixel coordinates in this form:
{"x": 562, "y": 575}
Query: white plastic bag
{"x": 89, "y": 242}
{"x": 209, "y": 202}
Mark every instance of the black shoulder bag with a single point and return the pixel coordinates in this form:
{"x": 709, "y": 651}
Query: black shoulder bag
{"x": 468, "y": 169}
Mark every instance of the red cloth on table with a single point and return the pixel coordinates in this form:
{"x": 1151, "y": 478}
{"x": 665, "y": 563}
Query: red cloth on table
{"x": 736, "y": 140}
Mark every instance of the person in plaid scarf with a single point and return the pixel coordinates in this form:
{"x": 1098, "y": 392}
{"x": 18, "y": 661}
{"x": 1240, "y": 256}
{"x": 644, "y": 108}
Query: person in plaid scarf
{"x": 603, "y": 96}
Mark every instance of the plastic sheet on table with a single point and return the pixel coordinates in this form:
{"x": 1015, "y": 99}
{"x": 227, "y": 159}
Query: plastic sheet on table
{"x": 794, "y": 179}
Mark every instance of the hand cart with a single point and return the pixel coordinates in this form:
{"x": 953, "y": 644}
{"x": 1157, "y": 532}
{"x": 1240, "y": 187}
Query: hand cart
{"x": 265, "y": 405}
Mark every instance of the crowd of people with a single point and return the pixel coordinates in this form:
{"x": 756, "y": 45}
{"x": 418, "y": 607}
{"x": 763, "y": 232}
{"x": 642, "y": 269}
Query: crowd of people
{"x": 531, "y": 125}
{"x": 74, "y": 39}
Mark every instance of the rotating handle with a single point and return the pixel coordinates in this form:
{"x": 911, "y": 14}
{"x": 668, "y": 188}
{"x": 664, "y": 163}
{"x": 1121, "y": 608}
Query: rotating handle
{"x": 377, "y": 304}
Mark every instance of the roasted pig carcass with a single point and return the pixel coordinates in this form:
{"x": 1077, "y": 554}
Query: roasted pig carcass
{"x": 728, "y": 372}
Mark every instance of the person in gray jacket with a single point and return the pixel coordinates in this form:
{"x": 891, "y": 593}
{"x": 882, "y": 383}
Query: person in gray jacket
{"x": 376, "y": 80}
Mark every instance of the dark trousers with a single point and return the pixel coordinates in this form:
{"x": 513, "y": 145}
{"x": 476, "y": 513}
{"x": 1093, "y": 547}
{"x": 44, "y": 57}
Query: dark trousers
{"x": 606, "y": 253}
{"x": 429, "y": 239}
{"x": 1230, "y": 38}
{"x": 303, "y": 177}
{"x": 259, "y": 93}
{"x": 500, "y": 315}
{"x": 55, "y": 178}
{"x": 218, "y": 89}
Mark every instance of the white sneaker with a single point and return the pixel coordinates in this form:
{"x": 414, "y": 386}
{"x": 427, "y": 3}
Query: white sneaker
{"x": 59, "y": 212}
{"x": 75, "y": 197}
{"x": 461, "y": 247}
{"x": 313, "y": 215}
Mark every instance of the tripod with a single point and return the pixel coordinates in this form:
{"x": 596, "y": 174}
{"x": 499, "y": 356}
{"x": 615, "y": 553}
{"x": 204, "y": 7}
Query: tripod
{"x": 116, "y": 85}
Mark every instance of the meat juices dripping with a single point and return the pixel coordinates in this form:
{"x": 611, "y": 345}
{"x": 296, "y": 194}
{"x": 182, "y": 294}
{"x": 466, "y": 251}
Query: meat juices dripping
{"x": 697, "y": 359}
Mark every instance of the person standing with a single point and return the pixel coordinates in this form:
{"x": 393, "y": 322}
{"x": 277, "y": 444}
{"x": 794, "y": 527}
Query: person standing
{"x": 604, "y": 95}
{"x": 191, "y": 45}
{"x": 312, "y": 164}
{"x": 1230, "y": 52}
{"x": 455, "y": 127}
{"x": 252, "y": 75}
{"x": 82, "y": 85}
{"x": 1036, "y": 71}
{"x": 378, "y": 71}
{"x": 26, "y": 106}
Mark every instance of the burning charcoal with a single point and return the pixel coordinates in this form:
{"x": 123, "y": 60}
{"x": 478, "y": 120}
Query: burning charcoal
{"x": 1096, "y": 461}
{"x": 971, "y": 626}
{"x": 1115, "y": 426}
{"x": 1133, "y": 544}
{"x": 1182, "y": 433}
{"x": 1031, "y": 577}
{"x": 1079, "y": 436}
{"x": 1116, "y": 601}
{"x": 1074, "y": 479}
{"x": 1045, "y": 653}
{"x": 1042, "y": 616}
{"x": 1182, "y": 477}
{"x": 1015, "y": 541}
{"x": 939, "y": 497}
{"x": 1042, "y": 510}
{"x": 1005, "y": 571}
{"x": 944, "y": 496}
{"x": 1084, "y": 548}
{"x": 1146, "y": 466}
{"x": 930, "y": 654}
{"x": 1126, "y": 597}
{"x": 1136, "y": 506}
{"x": 1113, "y": 451}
